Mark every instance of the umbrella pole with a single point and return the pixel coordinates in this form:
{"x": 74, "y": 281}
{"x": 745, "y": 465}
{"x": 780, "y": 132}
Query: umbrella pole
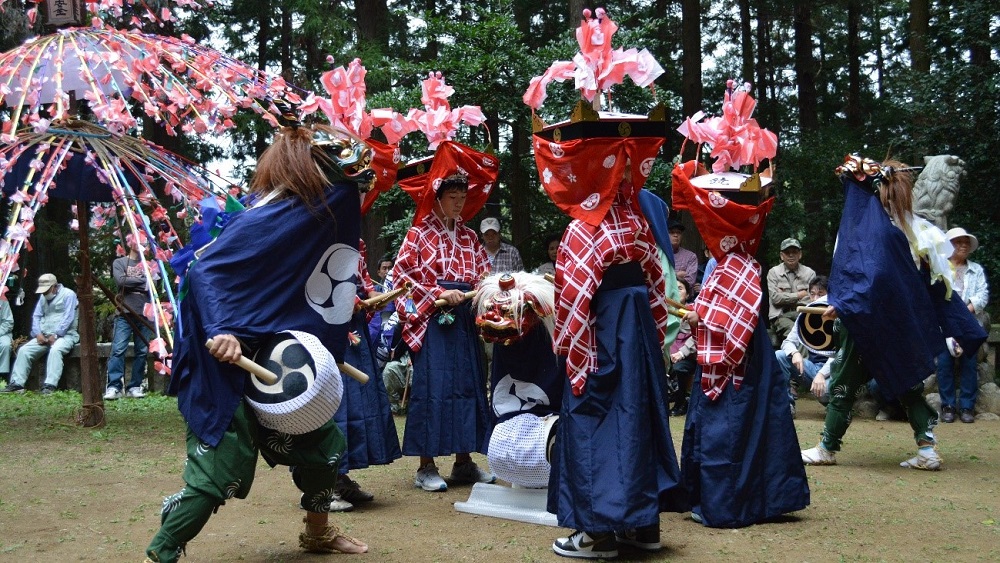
{"x": 92, "y": 413}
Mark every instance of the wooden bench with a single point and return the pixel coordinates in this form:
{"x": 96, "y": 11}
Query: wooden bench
{"x": 71, "y": 369}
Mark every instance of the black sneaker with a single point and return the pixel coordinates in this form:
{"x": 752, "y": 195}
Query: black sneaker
{"x": 48, "y": 389}
{"x": 13, "y": 388}
{"x": 350, "y": 491}
{"x": 583, "y": 545}
{"x": 646, "y": 538}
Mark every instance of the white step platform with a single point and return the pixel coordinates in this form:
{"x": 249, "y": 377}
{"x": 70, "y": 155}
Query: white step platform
{"x": 523, "y": 505}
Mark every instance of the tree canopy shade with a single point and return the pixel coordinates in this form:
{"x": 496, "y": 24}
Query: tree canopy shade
{"x": 902, "y": 78}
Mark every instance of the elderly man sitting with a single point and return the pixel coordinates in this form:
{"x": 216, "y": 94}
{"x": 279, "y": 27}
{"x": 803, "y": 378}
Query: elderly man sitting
{"x": 53, "y": 332}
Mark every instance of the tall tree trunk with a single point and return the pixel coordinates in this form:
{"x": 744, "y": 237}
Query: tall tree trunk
{"x": 692, "y": 92}
{"x": 763, "y": 62}
{"x": 854, "y": 113}
{"x": 287, "y": 66}
{"x": 746, "y": 42}
{"x": 264, "y": 33}
{"x": 920, "y": 20}
{"x": 805, "y": 66}
{"x": 576, "y": 12}
{"x": 372, "y": 17}
{"x": 879, "y": 56}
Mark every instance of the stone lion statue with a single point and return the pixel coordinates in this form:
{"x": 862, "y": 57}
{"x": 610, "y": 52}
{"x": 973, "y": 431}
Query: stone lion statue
{"x": 936, "y": 188}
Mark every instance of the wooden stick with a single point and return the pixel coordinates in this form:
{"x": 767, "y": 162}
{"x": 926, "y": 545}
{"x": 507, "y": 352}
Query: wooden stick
{"x": 444, "y": 302}
{"x": 804, "y": 309}
{"x": 260, "y": 372}
{"x": 379, "y": 300}
{"x": 353, "y": 372}
{"x": 673, "y": 303}
{"x": 550, "y": 278}
{"x": 678, "y": 312}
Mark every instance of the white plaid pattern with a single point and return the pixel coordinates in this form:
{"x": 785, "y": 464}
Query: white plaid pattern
{"x": 429, "y": 254}
{"x": 728, "y": 308}
{"x": 585, "y": 254}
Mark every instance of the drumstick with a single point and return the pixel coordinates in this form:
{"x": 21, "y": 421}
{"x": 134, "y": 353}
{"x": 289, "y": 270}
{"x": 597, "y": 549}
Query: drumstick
{"x": 804, "y": 309}
{"x": 260, "y": 372}
{"x": 678, "y": 312}
{"x": 443, "y": 302}
{"x": 673, "y": 303}
{"x": 354, "y": 372}
{"x": 550, "y": 278}
{"x": 379, "y": 300}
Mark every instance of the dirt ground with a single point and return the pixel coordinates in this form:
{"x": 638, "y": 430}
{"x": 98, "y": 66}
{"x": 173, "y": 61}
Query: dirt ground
{"x": 70, "y": 494}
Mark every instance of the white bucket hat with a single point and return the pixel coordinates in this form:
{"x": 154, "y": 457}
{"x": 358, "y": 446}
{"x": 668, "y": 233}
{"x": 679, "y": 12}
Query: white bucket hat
{"x": 953, "y": 234}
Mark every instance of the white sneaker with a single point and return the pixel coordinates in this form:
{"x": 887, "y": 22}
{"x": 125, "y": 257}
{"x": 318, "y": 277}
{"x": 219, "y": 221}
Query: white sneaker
{"x": 135, "y": 393}
{"x": 429, "y": 479}
{"x": 112, "y": 393}
{"x": 928, "y": 460}
{"x": 338, "y": 504}
{"x": 819, "y": 456}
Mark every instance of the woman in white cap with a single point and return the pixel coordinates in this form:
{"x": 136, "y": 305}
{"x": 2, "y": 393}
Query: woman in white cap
{"x": 970, "y": 283}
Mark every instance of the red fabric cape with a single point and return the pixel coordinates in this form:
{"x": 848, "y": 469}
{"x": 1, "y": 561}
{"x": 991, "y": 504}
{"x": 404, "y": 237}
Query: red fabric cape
{"x": 385, "y": 163}
{"x": 582, "y": 176}
{"x": 724, "y": 225}
{"x": 451, "y": 157}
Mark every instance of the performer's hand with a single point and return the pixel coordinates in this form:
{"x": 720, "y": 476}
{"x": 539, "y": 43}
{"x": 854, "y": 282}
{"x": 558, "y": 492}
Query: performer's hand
{"x": 818, "y": 386}
{"x": 691, "y": 318}
{"x": 675, "y": 357}
{"x": 798, "y": 363}
{"x": 453, "y": 296}
{"x": 830, "y": 313}
{"x": 226, "y": 348}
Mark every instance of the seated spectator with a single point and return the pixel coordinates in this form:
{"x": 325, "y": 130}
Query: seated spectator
{"x": 787, "y": 288}
{"x": 6, "y": 329}
{"x": 552, "y": 251}
{"x": 682, "y": 360}
{"x": 800, "y": 364}
{"x": 685, "y": 261}
{"x": 53, "y": 332}
{"x": 503, "y": 257}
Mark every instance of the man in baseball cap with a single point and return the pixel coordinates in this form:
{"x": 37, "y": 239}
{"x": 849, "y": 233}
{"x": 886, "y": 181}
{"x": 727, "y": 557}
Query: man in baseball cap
{"x": 787, "y": 288}
{"x": 53, "y": 331}
{"x": 503, "y": 257}
{"x": 45, "y": 282}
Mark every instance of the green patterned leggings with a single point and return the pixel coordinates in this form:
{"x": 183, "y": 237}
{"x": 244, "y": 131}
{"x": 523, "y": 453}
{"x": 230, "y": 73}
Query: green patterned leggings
{"x": 214, "y": 475}
{"x": 847, "y": 381}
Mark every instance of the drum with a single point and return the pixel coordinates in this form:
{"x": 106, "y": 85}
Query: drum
{"x": 815, "y": 332}
{"x": 519, "y": 450}
{"x": 309, "y": 386}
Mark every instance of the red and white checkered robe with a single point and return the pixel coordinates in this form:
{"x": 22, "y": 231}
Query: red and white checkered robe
{"x": 430, "y": 254}
{"x": 585, "y": 253}
{"x": 365, "y": 284}
{"x": 729, "y": 307}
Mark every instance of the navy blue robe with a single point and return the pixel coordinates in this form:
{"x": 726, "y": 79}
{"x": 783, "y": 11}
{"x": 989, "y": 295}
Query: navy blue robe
{"x": 280, "y": 266}
{"x": 740, "y": 459}
{"x": 613, "y": 464}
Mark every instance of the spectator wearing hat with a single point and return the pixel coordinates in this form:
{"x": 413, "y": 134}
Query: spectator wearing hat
{"x": 130, "y": 324}
{"x": 503, "y": 257}
{"x": 787, "y": 288}
{"x": 53, "y": 332}
{"x": 685, "y": 261}
{"x": 970, "y": 283}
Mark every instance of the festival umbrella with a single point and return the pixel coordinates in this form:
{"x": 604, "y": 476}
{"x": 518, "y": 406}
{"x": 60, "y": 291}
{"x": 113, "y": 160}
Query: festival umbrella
{"x": 176, "y": 82}
{"x": 84, "y": 162}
